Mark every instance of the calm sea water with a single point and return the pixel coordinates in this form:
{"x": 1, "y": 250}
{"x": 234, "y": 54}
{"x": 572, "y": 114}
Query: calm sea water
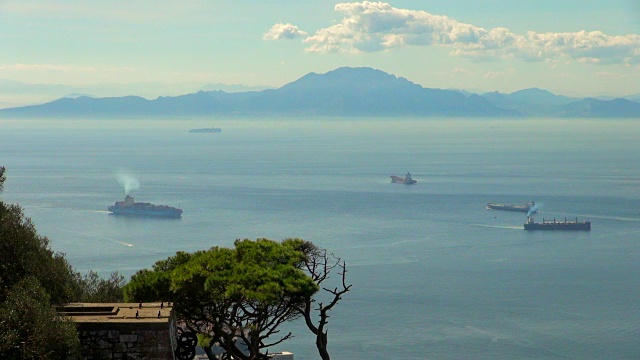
{"x": 435, "y": 275}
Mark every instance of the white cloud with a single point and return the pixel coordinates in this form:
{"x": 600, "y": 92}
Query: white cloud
{"x": 283, "y": 31}
{"x": 377, "y": 26}
{"x": 493, "y": 75}
{"x": 461, "y": 71}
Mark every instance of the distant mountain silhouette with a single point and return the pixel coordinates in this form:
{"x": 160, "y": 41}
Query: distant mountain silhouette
{"x": 529, "y": 102}
{"x": 535, "y": 96}
{"x": 500, "y": 100}
{"x": 621, "y": 108}
{"x": 635, "y": 98}
{"x": 343, "y": 92}
{"x": 538, "y": 102}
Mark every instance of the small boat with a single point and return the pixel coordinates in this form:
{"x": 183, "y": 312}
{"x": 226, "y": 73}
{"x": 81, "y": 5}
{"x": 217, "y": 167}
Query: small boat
{"x": 403, "y": 180}
{"x": 557, "y": 225}
{"x": 529, "y": 207}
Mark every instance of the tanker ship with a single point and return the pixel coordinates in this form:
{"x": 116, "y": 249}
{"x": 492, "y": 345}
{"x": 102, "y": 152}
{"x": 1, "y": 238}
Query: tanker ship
{"x": 130, "y": 207}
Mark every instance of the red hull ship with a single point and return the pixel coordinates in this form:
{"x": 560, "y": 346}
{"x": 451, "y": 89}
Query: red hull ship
{"x": 403, "y": 180}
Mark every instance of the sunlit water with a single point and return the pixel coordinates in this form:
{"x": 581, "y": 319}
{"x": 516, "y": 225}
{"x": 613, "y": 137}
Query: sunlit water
{"x": 435, "y": 275}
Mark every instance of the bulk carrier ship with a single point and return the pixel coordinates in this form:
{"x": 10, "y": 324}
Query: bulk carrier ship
{"x": 557, "y": 225}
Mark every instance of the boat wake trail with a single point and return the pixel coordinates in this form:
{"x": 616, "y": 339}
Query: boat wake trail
{"x": 122, "y": 243}
{"x": 98, "y": 237}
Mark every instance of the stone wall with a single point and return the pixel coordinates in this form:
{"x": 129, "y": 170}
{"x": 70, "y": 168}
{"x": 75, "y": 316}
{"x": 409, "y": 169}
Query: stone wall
{"x": 131, "y": 344}
{"x": 124, "y": 331}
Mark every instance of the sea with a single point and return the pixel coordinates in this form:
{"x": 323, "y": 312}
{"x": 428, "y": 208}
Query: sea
{"x": 434, "y": 274}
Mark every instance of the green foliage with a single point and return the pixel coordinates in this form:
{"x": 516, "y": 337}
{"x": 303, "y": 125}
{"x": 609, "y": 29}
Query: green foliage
{"x": 2, "y": 178}
{"x": 245, "y": 292}
{"x": 155, "y": 284}
{"x": 32, "y": 279}
{"x": 93, "y": 288}
{"x": 30, "y": 327}
{"x": 31, "y": 256}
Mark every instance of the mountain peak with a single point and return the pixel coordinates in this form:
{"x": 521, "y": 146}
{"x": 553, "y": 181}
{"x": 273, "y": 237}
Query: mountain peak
{"x": 536, "y": 96}
{"x": 344, "y": 92}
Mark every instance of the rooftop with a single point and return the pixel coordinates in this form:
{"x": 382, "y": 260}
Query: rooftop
{"x": 156, "y": 312}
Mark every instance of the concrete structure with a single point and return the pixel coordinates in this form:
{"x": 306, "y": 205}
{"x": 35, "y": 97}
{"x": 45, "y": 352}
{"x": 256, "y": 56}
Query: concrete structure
{"x": 140, "y": 331}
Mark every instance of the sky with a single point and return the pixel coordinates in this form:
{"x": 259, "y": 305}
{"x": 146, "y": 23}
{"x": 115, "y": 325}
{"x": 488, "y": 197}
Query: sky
{"x": 153, "y": 48}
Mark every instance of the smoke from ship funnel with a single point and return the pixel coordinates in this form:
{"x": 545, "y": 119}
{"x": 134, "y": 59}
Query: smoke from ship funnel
{"x": 532, "y": 210}
{"x": 128, "y": 182}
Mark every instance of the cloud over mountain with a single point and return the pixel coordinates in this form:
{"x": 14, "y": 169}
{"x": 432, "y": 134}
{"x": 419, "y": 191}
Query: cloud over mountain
{"x": 284, "y": 31}
{"x": 378, "y": 26}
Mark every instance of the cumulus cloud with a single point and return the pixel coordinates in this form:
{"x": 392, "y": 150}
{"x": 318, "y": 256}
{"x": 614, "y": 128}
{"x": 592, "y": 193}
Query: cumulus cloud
{"x": 377, "y": 26}
{"x": 284, "y": 31}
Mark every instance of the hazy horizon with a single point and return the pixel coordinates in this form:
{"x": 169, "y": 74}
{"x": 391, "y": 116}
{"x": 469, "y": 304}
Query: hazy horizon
{"x": 576, "y": 48}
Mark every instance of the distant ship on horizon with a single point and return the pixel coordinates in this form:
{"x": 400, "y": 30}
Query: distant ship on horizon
{"x": 403, "y": 180}
{"x": 206, "y": 130}
{"x": 529, "y": 207}
{"x": 130, "y": 207}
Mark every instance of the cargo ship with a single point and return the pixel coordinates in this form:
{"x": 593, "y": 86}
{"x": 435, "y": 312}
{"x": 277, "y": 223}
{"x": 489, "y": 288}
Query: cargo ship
{"x": 130, "y": 207}
{"x": 557, "y": 225}
{"x": 529, "y": 207}
{"x": 206, "y": 130}
{"x": 403, "y": 180}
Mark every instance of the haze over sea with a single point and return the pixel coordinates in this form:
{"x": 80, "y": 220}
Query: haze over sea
{"x": 435, "y": 275}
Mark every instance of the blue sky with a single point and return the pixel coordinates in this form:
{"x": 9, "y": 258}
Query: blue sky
{"x": 570, "y": 47}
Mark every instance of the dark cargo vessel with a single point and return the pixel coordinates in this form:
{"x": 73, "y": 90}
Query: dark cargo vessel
{"x": 528, "y": 207}
{"x": 557, "y": 225}
{"x": 206, "y": 130}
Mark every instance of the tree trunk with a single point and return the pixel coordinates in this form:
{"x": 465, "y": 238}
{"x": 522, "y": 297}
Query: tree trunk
{"x": 321, "y": 344}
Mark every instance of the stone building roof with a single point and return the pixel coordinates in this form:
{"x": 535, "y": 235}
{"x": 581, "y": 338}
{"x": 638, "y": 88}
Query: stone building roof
{"x": 113, "y": 314}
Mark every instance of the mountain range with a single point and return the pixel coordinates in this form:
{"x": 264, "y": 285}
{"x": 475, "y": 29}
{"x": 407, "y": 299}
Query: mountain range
{"x": 343, "y": 92}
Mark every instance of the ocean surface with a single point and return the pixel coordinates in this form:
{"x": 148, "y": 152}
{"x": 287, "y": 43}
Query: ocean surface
{"x": 435, "y": 275}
